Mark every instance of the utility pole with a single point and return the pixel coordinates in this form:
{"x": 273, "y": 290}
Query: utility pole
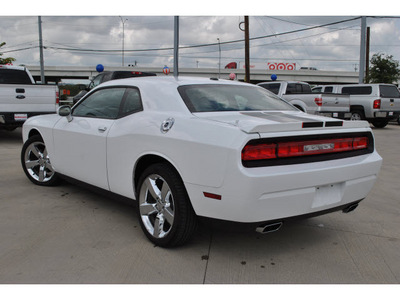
{"x": 362, "y": 50}
{"x": 367, "y": 55}
{"x": 247, "y": 48}
{"x": 176, "y": 45}
{"x": 42, "y": 79}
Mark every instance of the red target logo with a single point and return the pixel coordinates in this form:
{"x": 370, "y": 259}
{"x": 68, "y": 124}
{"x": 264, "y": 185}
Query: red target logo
{"x": 291, "y": 67}
{"x": 282, "y": 66}
{"x": 271, "y": 66}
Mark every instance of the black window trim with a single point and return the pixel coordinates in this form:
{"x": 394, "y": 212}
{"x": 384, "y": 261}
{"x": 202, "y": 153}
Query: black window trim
{"x": 120, "y": 115}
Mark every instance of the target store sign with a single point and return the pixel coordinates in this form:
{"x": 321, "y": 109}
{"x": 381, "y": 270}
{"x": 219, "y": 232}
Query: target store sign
{"x": 282, "y": 66}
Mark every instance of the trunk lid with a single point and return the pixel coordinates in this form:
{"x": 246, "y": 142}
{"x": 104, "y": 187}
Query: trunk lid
{"x": 278, "y": 121}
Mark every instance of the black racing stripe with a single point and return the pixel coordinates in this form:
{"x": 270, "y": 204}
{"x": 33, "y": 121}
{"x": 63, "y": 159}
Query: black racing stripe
{"x": 313, "y": 124}
{"x": 333, "y": 123}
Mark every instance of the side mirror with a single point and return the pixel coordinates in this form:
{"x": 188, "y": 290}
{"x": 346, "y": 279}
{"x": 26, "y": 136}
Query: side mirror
{"x": 65, "y": 111}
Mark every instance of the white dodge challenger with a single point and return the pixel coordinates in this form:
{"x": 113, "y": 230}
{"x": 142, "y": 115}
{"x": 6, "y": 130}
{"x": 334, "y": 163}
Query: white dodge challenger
{"x": 192, "y": 147}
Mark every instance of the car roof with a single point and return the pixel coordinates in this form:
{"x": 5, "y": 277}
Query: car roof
{"x": 11, "y": 67}
{"x": 169, "y": 80}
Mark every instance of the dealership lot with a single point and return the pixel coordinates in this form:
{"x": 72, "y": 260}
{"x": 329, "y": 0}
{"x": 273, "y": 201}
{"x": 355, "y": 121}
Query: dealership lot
{"x": 69, "y": 234}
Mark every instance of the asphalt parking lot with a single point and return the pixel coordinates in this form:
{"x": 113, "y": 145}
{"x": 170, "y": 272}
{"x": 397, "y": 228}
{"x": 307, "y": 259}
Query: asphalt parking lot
{"x": 69, "y": 234}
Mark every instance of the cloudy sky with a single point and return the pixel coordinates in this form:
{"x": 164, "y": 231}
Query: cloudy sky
{"x": 326, "y": 40}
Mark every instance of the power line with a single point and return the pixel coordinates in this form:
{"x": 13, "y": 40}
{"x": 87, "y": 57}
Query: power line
{"x": 200, "y": 45}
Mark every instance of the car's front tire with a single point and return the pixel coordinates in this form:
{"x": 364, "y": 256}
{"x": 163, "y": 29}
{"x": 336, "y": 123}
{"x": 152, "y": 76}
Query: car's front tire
{"x": 36, "y": 162}
{"x": 165, "y": 212}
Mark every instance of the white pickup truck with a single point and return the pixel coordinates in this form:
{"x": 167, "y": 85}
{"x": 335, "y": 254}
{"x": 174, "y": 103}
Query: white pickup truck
{"x": 21, "y": 98}
{"x": 300, "y": 95}
{"x": 377, "y": 103}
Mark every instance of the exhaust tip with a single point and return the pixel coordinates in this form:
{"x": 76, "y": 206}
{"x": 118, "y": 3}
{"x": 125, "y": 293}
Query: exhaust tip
{"x": 350, "y": 208}
{"x": 268, "y": 228}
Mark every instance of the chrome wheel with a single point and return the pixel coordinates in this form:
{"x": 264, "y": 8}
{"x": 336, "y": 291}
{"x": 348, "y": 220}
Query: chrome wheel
{"x": 156, "y": 206}
{"x": 36, "y": 162}
{"x": 165, "y": 213}
{"x": 356, "y": 116}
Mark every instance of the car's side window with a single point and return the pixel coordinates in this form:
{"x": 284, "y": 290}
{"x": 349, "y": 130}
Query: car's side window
{"x": 103, "y": 103}
{"x": 96, "y": 81}
{"x": 131, "y": 103}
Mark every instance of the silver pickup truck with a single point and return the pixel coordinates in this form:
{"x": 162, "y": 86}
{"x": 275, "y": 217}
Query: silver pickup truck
{"x": 300, "y": 95}
{"x": 377, "y": 103}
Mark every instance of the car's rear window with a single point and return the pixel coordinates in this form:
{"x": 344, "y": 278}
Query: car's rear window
{"x": 272, "y": 87}
{"x": 389, "y": 91}
{"x": 357, "y": 90}
{"x": 210, "y": 98}
{"x": 10, "y": 76}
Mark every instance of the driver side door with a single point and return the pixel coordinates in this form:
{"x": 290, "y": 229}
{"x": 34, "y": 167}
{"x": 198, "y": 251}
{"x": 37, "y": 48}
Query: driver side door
{"x": 81, "y": 143}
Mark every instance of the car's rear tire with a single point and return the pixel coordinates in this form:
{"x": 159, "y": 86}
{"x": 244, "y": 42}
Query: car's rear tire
{"x": 357, "y": 115}
{"x": 380, "y": 123}
{"x": 165, "y": 212}
{"x": 36, "y": 162}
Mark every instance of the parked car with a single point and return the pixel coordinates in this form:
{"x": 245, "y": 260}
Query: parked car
{"x": 106, "y": 76}
{"x": 185, "y": 148}
{"x": 21, "y": 98}
{"x": 377, "y": 103}
{"x": 301, "y": 96}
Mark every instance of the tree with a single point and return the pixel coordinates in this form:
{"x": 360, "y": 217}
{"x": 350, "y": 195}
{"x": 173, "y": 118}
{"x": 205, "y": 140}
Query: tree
{"x": 7, "y": 60}
{"x": 383, "y": 69}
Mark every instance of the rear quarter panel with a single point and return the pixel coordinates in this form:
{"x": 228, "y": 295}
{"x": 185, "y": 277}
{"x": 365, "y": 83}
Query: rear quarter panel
{"x": 199, "y": 149}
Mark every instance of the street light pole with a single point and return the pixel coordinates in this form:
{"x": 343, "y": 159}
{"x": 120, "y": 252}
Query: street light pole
{"x": 42, "y": 79}
{"x": 123, "y": 37}
{"x": 176, "y": 45}
{"x": 219, "y": 58}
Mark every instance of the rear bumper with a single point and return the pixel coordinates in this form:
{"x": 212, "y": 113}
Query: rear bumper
{"x": 387, "y": 114}
{"x": 338, "y": 115}
{"x": 18, "y": 118}
{"x": 240, "y": 226}
{"x": 280, "y": 192}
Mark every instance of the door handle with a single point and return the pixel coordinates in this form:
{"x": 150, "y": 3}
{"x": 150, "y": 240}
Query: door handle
{"x": 20, "y": 97}
{"x": 102, "y": 128}
{"x": 20, "y": 91}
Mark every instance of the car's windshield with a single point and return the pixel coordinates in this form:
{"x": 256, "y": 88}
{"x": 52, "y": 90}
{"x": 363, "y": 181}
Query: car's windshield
{"x": 209, "y": 98}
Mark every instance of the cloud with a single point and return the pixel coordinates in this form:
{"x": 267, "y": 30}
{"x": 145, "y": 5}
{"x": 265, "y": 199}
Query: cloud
{"x": 334, "y": 47}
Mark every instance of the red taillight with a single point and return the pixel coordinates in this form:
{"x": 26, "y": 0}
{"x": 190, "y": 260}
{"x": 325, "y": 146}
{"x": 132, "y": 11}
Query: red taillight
{"x": 302, "y": 148}
{"x": 377, "y": 104}
{"x": 360, "y": 143}
{"x": 57, "y": 98}
{"x": 257, "y": 152}
{"x": 318, "y": 101}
